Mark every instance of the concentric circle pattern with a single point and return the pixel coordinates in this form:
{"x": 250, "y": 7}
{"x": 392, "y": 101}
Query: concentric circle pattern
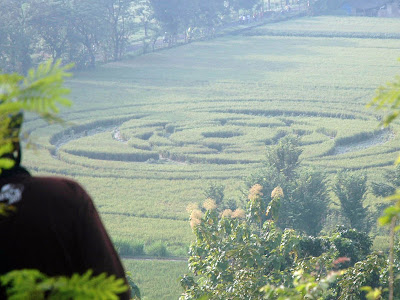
{"x": 147, "y": 135}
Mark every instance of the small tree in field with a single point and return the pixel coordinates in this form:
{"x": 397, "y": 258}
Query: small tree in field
{"x": 351, "y": 189}
{"x": 216, "y": 192}
{"x": 305, "y": 203}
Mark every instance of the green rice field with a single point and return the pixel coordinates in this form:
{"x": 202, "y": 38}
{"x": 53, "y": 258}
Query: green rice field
{"x": 147, "y": 135}
{"x": 157, "y": 279}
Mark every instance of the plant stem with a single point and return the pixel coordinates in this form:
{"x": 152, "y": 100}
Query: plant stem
{"x": 391, "y": 259}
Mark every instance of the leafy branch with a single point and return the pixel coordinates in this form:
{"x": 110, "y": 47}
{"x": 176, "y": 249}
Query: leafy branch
{"x": 32, "y": 284}
{"x": 40, "y": 92}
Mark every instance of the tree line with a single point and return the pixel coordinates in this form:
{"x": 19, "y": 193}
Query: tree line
{"x": 87, "y": 31}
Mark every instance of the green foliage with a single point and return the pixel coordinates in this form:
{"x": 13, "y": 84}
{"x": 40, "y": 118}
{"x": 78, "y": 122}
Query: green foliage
{"x": 368, "y": 272}
{"x": 39, "y": 92}
{"x": 284, "y": 158}
{"x": 229, "y": 260}
{"x": 391, "y": 182}
{"x": 352, "y": 244}
{"x": 135, "y": 291}
{"x": 304, "y": 203}
{"x": 31, "y": 284}
{"x": 388, "y": 98}
{"x": 215, "y": 192}
{"x": 351, "y": 189}
{"x": 305, "y": 286}
{"x": 233, "y": 258}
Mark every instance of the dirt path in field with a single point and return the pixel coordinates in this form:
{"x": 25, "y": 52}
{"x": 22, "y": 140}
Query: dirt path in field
{"x": 71, "y": 136}
{"x": 176, "y": 259}
{"x": 378, "y": 139}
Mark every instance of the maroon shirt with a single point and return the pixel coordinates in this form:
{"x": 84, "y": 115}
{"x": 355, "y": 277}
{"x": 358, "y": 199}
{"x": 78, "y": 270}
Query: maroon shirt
{"x": 55, "y": 229}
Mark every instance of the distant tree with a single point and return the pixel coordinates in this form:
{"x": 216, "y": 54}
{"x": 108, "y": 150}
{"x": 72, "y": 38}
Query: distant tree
{"x": 174, "y": 15}
{"x": 179, "y": 15}
{"x": 51, "y": 22}
{"x": 215, "y": 192}
{"x": 284, "y": 158}
{"x": 16, "y": 39}
{"x": 304, "y": 205}
{"x": 146, "y": 14}
{"x": 392, "y": 182}
{"x": 120, "y": 16}
{"x": 210, "y": 13}
{"x": 152, "y": 29}
{"x": 244, "y": 4}
{"x": 75, "y": 31}
{"x": 307, "y": 203}
{"x": 351, "y": 189}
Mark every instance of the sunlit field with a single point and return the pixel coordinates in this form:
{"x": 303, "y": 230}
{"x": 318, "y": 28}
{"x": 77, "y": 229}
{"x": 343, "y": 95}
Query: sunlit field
{"x": 147, "y": 135}
{"x": 157, "y": 279}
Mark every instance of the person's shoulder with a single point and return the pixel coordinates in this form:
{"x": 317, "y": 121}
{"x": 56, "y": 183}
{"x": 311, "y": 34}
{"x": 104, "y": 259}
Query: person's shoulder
{"x": 58, "y": 187}
{"x": 55, "y": 181}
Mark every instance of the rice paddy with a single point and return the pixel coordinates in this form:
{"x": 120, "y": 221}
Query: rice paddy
{"x": 148, "y": 134}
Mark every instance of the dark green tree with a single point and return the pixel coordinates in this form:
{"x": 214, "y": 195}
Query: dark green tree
{"x": 216, "y": 192}
{"x": 392, "y": 182}
{"x": 351, "y": 189}
{"x": 305, "y": 201}
{"x": 284, "y": 158}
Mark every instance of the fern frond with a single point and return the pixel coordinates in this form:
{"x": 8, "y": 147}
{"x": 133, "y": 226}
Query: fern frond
{"x": 23, "y": 284}
{"x": 41, "y": 91}
{"x": 87, "y": 286}
{"x": 31, "y": 284}
{"x": 43, "y": 88}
